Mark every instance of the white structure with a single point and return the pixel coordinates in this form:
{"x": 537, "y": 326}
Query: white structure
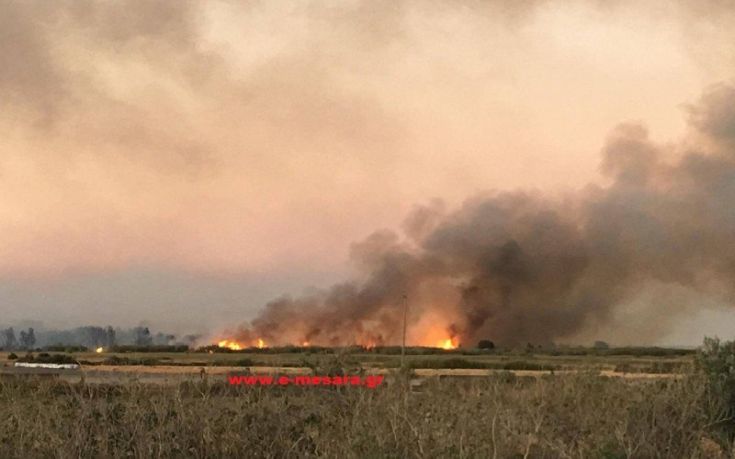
{"x": 53, "y": 366}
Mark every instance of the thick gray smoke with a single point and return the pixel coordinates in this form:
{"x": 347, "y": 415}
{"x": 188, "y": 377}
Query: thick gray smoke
{"x": 522, "y": 267}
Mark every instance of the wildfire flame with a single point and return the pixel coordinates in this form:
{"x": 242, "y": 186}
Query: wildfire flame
{"x": 448, "y": 344}
{"x": 305, "y": 344}
{"x": 99, "y": 350}
{"x": 237, "y": 346}
{"x": 228, "y": 344}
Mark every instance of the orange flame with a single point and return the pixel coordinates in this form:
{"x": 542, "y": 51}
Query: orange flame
{"x": 228, "y": 344}
{"x": 305, "y": 344}
{"x": 448, "y": 344}
{"x": 237, "y": 346}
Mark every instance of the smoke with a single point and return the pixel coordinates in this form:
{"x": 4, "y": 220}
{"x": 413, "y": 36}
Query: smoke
{"x": 200, "y": 153}
{"x": 521, "y": 267}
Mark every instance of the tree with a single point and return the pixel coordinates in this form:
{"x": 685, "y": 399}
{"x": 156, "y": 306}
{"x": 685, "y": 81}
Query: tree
{"x": 143, "y": 336}
{"x": 601, "y": 345}
{"x": 9, "y": 342}
{"x": 27, "y": 339}
{"x": 93, "y": 336}
{"x": 485, "y": 344}
{"x": 110, "y": 336}
{"x": 190, "y": 340}
{"x": 164, "y": 339}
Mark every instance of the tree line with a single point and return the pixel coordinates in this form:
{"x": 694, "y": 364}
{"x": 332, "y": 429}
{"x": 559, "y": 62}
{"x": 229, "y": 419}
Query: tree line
{"x": 86, "y": 336}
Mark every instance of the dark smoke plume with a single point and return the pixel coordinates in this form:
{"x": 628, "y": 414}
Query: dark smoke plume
{"x": 522, "y": 267}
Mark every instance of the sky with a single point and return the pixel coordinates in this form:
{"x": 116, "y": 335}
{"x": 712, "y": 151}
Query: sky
{"x": 180, "y": 164}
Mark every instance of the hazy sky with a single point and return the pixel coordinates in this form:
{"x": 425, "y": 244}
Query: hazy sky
{"x": 181, "y": 163}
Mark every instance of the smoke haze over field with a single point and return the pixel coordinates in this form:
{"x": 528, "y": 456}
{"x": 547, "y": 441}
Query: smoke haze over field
{"x": 183, "y": 163}
{"x": 524, "y": 267}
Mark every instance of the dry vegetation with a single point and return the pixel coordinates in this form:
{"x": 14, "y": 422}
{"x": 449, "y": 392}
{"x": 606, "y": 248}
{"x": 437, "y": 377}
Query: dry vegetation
{"x": 500, "y": 415}
{"x": 503, "y": 416}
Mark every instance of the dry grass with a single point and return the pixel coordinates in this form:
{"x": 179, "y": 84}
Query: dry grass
{"x": 497, "y": 416}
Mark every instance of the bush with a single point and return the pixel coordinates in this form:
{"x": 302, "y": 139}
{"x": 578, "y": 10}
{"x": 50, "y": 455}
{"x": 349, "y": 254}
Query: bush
{"x": 716, "y": 361}
{"x": 12, "y": 356}
{"x": 485, "y": 344}
{"x": 47, "y": 358}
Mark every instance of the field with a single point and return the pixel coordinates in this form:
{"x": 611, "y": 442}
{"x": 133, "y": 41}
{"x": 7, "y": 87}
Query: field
{"x": 179, "y": 366}
{"x": 504, "y": 405}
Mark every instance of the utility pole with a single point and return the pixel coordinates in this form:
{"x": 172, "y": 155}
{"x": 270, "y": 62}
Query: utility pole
{"x": 403, "y": 343}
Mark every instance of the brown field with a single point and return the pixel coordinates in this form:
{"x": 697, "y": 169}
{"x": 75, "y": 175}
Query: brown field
{"x": 178, "y": 367}
{"x": 581, "y": 408}
{"x": 500, "y": 415}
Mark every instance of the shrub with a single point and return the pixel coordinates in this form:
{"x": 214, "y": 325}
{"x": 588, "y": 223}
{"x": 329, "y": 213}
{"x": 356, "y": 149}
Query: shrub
{"x": 47, "y": 358}
{"x": 716, "y": 361}
{"x": 485, "y": 344}
{"x": 12, "y": 356}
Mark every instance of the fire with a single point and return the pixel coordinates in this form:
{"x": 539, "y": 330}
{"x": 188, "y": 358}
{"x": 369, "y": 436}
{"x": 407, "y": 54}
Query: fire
{"x": 99, "y": 350}
{"x": 237, "y": 346}
{"x": 228, "y": 344}
{"x": 448, "y": 344}
{"x": 305, "y": 344}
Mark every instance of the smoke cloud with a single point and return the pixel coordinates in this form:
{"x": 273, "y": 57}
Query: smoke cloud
{"x": 180, "y": 163}
{"x": 521, "y": 267}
